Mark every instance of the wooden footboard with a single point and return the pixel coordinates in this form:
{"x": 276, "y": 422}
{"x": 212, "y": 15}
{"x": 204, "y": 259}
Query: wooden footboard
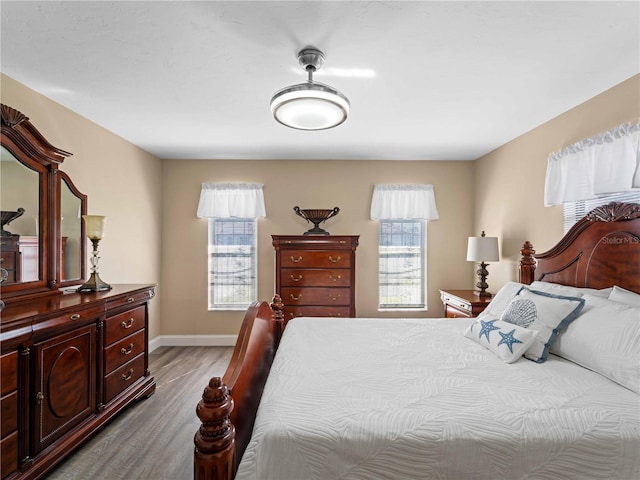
{"x": 229, "y": 405}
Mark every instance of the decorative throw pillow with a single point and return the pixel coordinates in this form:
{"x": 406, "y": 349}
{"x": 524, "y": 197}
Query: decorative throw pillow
{"x": 605, "y": 338}
{"x": 619, "y": 294}
{"x": 506, "y": 340}
{"x": 544, "y": 312}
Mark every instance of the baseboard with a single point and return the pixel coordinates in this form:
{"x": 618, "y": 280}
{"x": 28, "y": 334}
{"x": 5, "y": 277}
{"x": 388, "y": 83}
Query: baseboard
{"x": 192, "y": 341}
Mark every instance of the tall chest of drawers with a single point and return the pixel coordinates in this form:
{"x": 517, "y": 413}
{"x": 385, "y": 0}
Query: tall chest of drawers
{"x": 316, "y": 275}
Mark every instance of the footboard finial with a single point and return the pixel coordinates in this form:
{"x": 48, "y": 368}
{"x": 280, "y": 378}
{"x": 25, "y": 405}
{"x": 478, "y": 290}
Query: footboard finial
{"x": 527, "y": 264}
{"x": 278, "y": 312}
{"x": 214, "y": 440}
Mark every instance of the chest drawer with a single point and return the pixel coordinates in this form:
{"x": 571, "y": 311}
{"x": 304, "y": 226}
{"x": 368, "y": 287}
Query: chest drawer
{"x": 122, "y": 377}
{"x": 9, "y": 413}
{"x": 315, "y": 277}
{"x": 124, "y": 324}
{"x": 9, "y": 367}
{"x": 456, "y": 312}
{"x": 131, "y": 299}
{"x": 122, "y": 351}
{"x": 8, "y": 260}
{"x": 9, "y": 454}
{"x": 315, "y": 259}
{"x": 315, "y": 296}
{"x": 316, "y": 311}
{"x": 72, "y": 317}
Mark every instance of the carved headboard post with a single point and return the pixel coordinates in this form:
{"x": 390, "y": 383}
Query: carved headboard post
{"x": 527, "y": 266}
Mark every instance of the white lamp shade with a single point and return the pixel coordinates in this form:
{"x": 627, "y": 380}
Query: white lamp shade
{"x": 483, "y": 249}
{"x": 310, "y": 106}
{"x": 94, "y": 225}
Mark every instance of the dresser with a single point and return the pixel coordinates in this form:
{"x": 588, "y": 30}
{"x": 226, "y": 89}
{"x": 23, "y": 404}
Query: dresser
{"x": 316, "y": 274}
{"x": 70, "y": 362}
{"x": 463, "y": 303}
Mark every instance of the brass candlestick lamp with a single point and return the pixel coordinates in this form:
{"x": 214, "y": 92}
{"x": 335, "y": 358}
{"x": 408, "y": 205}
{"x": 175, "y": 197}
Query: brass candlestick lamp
{"x": 94, "y": 225}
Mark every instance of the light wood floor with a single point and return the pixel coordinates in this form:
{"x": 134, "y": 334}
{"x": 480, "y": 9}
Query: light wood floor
{"x": 153, "y": 439}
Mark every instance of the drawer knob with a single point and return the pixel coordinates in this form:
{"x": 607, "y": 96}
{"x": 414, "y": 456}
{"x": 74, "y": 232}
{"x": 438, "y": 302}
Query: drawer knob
{"x": 296, "y": 279}
{"x": 127, "y": 376}
{"x": 75, "y": 316}
{"x": 293, "y": 297}
{"x": 296, "y": 260}
{"x": 127, "y": 351}
{"x": 130, "y": 299}
{"x": 128, "y": 324}
{"x": 334, "y": 297}
{"x": 334, "y": 279}
{"x": 332, "y": 260}
{"x": 39, "y": 398}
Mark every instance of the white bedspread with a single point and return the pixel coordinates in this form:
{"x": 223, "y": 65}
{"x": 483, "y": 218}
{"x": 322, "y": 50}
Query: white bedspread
{"x": 414, "y": 399}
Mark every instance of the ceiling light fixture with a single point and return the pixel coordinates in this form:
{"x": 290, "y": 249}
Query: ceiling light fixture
{"x": 310, "y": 105}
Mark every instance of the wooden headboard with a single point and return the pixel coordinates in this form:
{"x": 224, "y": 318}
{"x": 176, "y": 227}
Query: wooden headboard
{"x": 601, "y": 250}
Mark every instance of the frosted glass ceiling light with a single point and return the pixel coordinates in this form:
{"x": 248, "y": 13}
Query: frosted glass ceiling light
{"x": 310, "y": 105}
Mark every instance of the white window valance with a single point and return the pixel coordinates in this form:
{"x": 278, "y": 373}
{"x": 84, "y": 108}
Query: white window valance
{"x": 227, "y": 200}
{"x": 403, "y": 202}
{"x": 604, "y": 164}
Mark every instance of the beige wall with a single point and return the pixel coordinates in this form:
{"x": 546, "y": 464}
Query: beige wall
{"x": 509, "y": 181}
{"x": 122, "y": 182}
{"x": 308, "y": 184}
{"x": 151, "y": 203}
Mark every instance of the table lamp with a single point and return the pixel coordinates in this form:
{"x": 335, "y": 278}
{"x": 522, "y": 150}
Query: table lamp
{"x": 482, "y": 249}
{"x": 94, "y": 225}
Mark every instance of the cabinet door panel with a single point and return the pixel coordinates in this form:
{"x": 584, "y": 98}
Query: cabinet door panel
{"x": 65, "y": 389}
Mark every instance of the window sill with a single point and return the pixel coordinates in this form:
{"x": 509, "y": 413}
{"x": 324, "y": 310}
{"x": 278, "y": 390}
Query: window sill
{"x": 405, "y": 309}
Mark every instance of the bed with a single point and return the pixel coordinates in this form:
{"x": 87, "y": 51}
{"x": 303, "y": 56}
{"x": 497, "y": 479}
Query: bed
{"x": 435, "y": 398}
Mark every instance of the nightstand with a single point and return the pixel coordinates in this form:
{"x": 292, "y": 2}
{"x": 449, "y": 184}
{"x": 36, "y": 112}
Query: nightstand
{"x": 463, "y": 303}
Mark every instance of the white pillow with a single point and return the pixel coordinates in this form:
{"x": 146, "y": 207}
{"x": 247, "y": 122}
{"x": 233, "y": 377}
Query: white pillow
{"x": 506, "y": 340}
{"x": 619, "y": 294}
{"x": 547, "y": 313}
{"x": 568, "y": 291}
{"x": 500, "y": 300}
{"x": 605, "y": 338}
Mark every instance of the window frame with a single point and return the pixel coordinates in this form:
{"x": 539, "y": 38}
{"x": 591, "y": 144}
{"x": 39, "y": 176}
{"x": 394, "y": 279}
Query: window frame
{"x": 212, "y": 304}
{"x": 421, "y": 305}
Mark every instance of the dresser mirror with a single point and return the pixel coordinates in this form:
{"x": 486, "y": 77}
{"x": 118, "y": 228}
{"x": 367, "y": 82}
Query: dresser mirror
{"x": 42, "y": 243}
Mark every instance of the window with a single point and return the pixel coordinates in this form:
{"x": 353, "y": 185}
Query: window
{"x": 574, "y": 211}
{"x": 232, "y": 263}
{"x": 402, "y": 264}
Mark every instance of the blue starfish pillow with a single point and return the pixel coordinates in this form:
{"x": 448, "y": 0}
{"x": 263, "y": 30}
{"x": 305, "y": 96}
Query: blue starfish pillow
{"x": 507, "y": 340}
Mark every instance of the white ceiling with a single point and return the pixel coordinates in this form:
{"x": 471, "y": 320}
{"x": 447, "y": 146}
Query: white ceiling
{"x": 427, "y": 80}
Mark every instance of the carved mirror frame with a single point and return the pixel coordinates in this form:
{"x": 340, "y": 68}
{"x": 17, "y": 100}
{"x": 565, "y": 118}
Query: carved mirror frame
{"x": 20, "y": 138}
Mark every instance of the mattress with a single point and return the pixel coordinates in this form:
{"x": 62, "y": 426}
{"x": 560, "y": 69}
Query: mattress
{"x": 415, "y": 399}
